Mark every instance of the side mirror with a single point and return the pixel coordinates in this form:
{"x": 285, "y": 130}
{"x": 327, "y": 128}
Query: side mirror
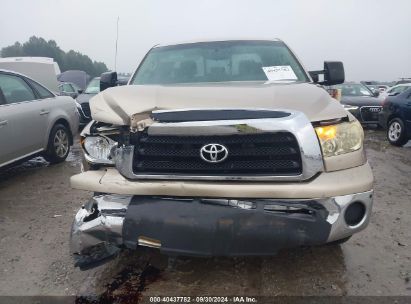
{"x": 108, "y": 80}
{"x": 376, "y": 93}
{"x": 80, "y": 91}
{"x": 333, "y": 73}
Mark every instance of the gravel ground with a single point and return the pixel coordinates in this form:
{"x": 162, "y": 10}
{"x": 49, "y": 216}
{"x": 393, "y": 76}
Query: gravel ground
{"x": 37, "y": 207}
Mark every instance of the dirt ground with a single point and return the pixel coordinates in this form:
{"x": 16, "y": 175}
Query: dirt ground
{"x": 37, "y": 207}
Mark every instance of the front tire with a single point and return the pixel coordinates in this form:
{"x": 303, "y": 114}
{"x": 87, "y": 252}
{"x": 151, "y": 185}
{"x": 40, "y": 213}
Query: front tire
{"x": 58, "y": 145}
{"x": 396, "y": 134}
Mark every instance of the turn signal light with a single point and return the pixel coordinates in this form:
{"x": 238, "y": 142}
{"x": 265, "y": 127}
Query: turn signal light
{"x": 327, "y": 132}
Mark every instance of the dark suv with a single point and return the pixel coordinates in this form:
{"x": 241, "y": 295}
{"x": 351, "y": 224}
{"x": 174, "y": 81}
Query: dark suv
{"x": 396, "y": 117}
{"x": 363, "y": 103}
{"x": 83, "y": 99}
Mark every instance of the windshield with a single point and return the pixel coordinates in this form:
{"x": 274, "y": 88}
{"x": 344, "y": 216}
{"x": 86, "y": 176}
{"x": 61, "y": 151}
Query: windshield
{"x": 397, "y": 89}
{"x": 354, "y": 90}
{"x": 219, "y": 62}
{"x": 93, "y": 86}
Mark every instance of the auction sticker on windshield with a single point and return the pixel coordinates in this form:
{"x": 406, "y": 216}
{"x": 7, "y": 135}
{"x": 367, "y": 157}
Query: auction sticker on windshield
{"x": 279, "y": 72}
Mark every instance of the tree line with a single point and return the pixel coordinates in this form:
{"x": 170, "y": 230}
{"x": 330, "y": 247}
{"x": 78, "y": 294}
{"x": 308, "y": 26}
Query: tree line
{"x": 71, "y": 60}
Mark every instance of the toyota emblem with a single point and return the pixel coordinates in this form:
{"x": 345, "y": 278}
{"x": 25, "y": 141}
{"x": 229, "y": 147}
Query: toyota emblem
{"x": 213, "y": 153}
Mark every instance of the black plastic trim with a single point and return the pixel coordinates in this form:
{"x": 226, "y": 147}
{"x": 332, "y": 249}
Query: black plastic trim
{"x": 218, "y": 114}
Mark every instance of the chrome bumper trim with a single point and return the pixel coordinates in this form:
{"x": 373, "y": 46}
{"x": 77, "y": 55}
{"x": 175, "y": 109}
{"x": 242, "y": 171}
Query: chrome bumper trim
{"x": 337, "y": 206}
{"x": 98, "y": 224}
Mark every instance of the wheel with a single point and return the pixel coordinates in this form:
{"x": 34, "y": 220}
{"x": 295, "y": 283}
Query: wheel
{"x": 58, "y": 145}
{"x": 396, "y": 132}
{"x": 340, "y": 241}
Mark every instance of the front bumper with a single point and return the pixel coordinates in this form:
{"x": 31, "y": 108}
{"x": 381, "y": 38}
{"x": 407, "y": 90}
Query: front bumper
{"x": 327, "y": 184}
{"x": 210, "y": 226}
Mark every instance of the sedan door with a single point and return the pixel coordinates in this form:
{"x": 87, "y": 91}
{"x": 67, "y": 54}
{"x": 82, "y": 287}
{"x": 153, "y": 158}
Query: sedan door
{"x": 23, "y": 117}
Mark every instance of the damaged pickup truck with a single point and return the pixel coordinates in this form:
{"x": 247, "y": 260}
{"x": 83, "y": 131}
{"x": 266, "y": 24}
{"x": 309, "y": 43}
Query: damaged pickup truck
{"x": 220, "y": 148}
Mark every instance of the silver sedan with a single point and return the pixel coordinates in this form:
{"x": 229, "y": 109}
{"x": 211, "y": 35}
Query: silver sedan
{"x": 34, "y": 121}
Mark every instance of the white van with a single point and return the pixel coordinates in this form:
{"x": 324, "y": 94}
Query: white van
{"x": 42, "y": 69}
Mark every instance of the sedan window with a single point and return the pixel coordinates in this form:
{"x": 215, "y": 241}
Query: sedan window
{"x": 42, "y": 91}
{"x": 15, "y": 89}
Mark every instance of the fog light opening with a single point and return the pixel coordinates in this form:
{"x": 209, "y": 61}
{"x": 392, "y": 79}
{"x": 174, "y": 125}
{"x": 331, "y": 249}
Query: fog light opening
{"x": 354, "y": 214}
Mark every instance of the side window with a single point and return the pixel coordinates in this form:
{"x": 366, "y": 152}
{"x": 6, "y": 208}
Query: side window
{"x": 67, "y": 88}
{"x": 15, "y": 89}
{"x": 399, "y": 89}
{"x": 42, "y": 91}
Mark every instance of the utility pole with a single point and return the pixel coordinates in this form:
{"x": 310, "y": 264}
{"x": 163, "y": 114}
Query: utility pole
{"x": 115, "y": 56}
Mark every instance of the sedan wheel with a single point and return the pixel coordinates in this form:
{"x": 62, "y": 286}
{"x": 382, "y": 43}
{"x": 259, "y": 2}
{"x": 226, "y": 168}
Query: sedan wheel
{"x": 59, "y": 144}
{"x": 396, "y": 132}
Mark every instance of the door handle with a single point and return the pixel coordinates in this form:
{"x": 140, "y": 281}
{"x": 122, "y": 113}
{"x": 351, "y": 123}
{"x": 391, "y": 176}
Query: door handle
{"x": 44, "y": 112}
{"x": 3, "y": 123}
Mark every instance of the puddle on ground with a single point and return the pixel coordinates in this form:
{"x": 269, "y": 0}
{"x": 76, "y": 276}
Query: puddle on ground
{"x": 126, "y": 287}
{"x": 74, "y": 159}
{"x": 74, "y": 156}
{"x": 34, "y": 163}
{"x": 302, "y": 271}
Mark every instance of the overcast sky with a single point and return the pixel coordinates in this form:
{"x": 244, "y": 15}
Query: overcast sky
{"x": 371, "y": 37}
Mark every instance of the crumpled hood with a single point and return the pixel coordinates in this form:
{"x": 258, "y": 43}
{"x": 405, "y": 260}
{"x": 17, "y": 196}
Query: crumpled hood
{"x": 117, "y": 105}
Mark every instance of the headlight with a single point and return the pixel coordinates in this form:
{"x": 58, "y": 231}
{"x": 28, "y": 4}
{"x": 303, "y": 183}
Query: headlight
{"x": 77, "y": 104}
{"x": 350, "y": 107}
{"x": 98, "y": 149}
{"x": 341, "y": 138}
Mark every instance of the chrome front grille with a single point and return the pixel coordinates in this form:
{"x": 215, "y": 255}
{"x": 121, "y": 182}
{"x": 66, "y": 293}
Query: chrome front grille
{"x": 86, "y": 109}
{"x": 370, "y": 113}
{"x": 257, "y": 154}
